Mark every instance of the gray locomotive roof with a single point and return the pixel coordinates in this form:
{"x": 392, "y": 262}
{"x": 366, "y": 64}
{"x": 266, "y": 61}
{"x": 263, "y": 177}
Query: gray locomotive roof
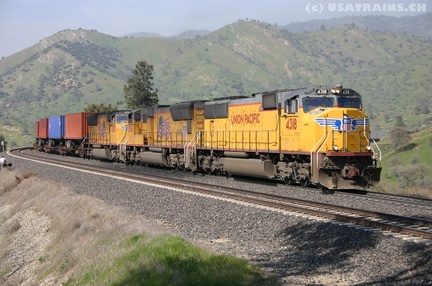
{"x": 283, "y": 94}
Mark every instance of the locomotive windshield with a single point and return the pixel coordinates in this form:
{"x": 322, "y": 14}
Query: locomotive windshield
{"x": 121, "y": 118}
{"x": 310, "y": 103}
{"x": 349, "y": 102}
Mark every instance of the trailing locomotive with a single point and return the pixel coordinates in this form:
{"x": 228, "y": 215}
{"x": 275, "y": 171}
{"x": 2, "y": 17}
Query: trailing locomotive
{"x": 316, "y": 136}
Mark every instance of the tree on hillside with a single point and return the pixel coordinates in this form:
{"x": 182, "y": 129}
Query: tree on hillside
{"x": 99, "y": 108}
{"x": 425, "y": 109}
{"x": 399, "y": 134}
{"x": 399, "y": 121}
{"x": 139, "y": 89}
{"x": 2, "y": 139}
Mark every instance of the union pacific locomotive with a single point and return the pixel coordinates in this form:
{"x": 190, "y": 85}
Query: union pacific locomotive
{"x": 305, "y": 136}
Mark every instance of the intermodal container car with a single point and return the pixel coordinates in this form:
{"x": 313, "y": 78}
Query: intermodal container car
{"x": 42, "y": 128}
{"x": 56, "y": 127}
{"x": 76, "y": 127}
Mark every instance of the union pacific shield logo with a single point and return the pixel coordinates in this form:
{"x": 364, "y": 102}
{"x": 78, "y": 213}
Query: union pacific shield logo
{"x": 347, "y": 123}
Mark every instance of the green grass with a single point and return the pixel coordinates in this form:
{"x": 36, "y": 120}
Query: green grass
{"x": 170, "y": 260}
{"x": 420, "y": 147}
{"x": 407, "y": 170}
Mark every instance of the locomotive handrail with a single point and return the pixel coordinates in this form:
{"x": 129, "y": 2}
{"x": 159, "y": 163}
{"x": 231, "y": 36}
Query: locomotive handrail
{"x": 190, "y": 145}
{"x": 235, "y": 139}
{"x": 121, "y": 143}
{"x": 379, "y": 150}
{"x": 364, "y": 131}
{"x": 373, "y": 140}
{"x": 316, "y": 145}
{"x": 317, "y": 152}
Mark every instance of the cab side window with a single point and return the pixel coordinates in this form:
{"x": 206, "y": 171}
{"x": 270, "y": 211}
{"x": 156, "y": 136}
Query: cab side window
{"x": 291, "y": 106}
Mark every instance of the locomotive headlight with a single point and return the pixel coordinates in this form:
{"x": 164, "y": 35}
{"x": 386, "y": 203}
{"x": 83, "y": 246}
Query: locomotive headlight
{"x": 336, "y": 148}
{"x": 369, "y": 148}
{"x": 335, "y": 90}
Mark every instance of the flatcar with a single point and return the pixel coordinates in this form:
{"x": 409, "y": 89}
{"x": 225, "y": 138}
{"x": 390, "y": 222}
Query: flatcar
{"x": 315, "y": 135}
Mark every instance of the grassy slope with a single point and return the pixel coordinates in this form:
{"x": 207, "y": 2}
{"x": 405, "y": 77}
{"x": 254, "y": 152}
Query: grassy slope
{"x": 408, "y": 170}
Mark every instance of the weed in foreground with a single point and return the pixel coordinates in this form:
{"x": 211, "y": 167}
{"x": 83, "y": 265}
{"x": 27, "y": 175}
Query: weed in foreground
{"x": 169, "y": 260}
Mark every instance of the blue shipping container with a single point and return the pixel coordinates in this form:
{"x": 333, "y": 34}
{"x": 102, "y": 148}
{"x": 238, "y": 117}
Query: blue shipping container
{"x": 56, "y": 127}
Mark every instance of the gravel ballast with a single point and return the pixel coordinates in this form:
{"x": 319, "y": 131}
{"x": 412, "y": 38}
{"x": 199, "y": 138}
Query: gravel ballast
{"x": 298, "y": 250}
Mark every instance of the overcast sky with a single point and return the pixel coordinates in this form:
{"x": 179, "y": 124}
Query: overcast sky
{"x": 24, "y": 22}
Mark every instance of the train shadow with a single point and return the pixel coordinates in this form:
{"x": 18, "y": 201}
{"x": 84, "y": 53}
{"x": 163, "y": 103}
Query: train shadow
{"x": 356, "y": 192}
{"x": 321, "y": 249}
{"x": 260, "y": 181}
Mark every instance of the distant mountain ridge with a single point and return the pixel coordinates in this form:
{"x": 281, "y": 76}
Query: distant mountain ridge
{"x": 71, "y": 69}
{"x": 143, "y": 35}
{"x": 420, "y": 25}
{"x": 185, "y": 35}
{"x": 190, "y": 34}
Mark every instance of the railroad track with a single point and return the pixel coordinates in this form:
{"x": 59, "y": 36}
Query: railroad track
{"x": 391, "y": 198}
{"x": 414, "y": 227}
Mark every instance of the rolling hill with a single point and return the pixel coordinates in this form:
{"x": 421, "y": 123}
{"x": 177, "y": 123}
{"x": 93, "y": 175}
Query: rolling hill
{"x": 71, "y": 69}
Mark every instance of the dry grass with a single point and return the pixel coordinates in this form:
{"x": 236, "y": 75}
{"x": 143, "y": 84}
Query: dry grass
{"x": 421, "y": 192}
{"x": 416, "y": 192}
{"x": 79, "y": 230}
{"x": 50, "y": 235}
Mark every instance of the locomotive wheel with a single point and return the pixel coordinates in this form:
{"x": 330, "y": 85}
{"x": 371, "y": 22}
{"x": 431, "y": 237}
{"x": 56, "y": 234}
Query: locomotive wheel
{"x": 288, "y": 180}
{"x": 325, "y": 190}
{"x": 304, "y": 183}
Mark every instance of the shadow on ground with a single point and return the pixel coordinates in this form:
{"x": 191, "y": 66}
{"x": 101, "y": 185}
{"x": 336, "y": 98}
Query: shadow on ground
{"x": 320, "y": 249}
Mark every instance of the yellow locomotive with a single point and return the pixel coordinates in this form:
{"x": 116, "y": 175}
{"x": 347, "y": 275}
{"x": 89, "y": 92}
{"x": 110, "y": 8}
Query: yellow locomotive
{"x": 317, "y": 136}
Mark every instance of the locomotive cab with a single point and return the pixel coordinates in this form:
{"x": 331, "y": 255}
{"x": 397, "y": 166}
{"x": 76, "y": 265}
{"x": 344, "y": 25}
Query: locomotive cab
{"x": 341, "y": 154}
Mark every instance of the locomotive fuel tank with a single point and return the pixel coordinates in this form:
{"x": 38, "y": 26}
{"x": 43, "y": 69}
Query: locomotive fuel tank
{"x": 154, "y": 158}
{"x": 101, "y": 153}
{"x": 248, "y": 167}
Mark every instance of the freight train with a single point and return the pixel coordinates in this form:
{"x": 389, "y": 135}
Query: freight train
{"x": 316, "y": 135}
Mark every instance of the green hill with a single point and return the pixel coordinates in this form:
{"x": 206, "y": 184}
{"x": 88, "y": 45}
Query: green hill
{"x": 408, "y": 169}
{"x": 74, "y": 68}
